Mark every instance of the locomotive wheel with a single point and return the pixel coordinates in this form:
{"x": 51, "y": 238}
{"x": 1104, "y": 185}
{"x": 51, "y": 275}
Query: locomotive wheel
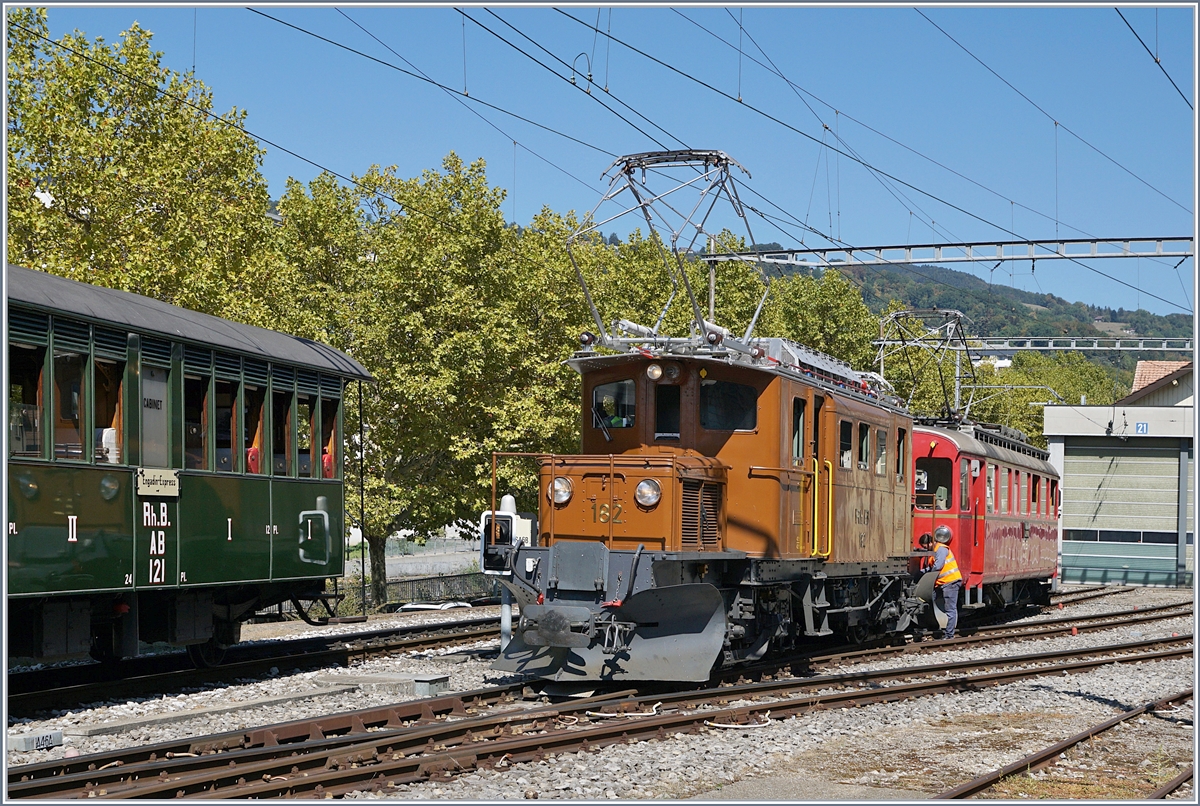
{"x": 207, "y": 655}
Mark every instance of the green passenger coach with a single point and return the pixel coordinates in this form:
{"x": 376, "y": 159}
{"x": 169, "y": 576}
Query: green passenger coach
{"x": 170, "y": 473}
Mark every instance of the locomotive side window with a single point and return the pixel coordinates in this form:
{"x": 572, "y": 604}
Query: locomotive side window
{"x": 69, "y": 404}
{"x": 964, "y": 484}
{"x": 155, "y": 435}
{"x": 864, "y": 445}
{"x": 282, "y": 432}
{"x": 845, "y": 442}
{"x": 880, "y": 452}
{"x": 226, "y": 421}
{"x": 991, "y": 488}
{"x": 254, "y": 400}
{"x": 1023, "y": 498}
{"x": 727, "y": 406}
{"x": 1005, "y": 483}
{"x": 330, "y": 466}
{"x": 195, "y": 422}
{"x": 614, "y": 405}
{"x": 818, "y": 402}
{"x": 798, "y": 430}
{"x": 26, "y": 367}
{"x": 108, "y": 377}
{"x": 934, "y": 478}
{"x": 666, "y": 412}
{"x": 1053, "y": 500}
{"x": 901, "y": 438}
{"x": 306, "y": 412}
{"x": 1035, "y": 501}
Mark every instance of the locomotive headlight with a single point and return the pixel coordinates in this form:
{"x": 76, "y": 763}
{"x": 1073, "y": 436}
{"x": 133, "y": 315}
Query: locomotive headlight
{"x": 654, "y": 372}
{"x": 561, "y": 489}
{"x": 648, "y": 493}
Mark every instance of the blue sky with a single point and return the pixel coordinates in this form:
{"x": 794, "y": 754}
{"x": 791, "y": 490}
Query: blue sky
{"x": 886, "y": 67}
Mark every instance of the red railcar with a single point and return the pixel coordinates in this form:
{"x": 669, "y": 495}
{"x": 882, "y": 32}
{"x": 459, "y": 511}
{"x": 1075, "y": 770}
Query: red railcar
{"x": 999, "y": 496}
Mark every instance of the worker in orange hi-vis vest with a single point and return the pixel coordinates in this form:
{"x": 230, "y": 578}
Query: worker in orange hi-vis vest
{"x": 949, "y": 580}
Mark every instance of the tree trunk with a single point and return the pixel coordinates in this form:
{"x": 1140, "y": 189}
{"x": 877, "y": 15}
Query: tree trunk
{"x": 377, "y": 546}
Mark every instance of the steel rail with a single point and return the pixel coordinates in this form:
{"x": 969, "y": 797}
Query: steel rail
{"x": 34, "y": 701}
{"x": 86, "y": 778}
{"x": 1172, "y": 785}
{"x": 376, "y": 765}
{"x": 1096, "y": 595}
{"x": 1046, "y": 756}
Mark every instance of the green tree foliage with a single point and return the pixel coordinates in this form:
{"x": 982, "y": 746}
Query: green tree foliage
{"x": 114, "y": 180}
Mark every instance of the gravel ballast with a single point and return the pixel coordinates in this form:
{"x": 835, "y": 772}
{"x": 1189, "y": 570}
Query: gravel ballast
{"x": 886, "y": 751}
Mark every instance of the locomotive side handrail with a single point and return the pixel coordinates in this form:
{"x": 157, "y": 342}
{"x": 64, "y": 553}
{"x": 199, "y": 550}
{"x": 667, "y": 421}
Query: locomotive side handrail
{"x": 816, "y": 496}
{"x": 829, "y": 520}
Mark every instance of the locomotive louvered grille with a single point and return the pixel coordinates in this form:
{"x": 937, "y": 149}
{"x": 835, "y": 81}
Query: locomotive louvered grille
{"x": 228, "y": 366}
{"x": 111, "y": 343}
{"x": 701, "y": 507}
{"x": 70, "y": 335}
{"x": 156, "y": 351}
{"x": 331, "y": 386}
{"x": 306, "y": 382}
{"x": 25, "y": 326}
{"x": 255, "y": 372}
{"x": 197, "y": 360}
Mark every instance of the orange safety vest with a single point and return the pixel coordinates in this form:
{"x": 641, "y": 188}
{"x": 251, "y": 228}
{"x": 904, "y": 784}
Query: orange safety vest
{"x": 950, "y": 572}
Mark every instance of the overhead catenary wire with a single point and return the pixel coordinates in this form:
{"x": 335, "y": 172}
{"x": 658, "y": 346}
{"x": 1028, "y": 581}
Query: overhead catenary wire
{"x": 1155, "y": 54}
{"x": 855, "y": 159}
{"x": 454, "y": 95}
{"x": 801, "y": 92}
{"x": 1066, "y": 128}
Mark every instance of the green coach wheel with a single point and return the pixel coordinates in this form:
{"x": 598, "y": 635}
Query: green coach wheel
{"x": 207, "y": 655}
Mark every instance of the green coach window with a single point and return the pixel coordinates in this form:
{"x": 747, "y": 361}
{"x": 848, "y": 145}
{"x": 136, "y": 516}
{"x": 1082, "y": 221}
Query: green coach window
{"x": 108, "y": 394}
{"x": 155, "y": 425}
{"x": 255, "y": 398}
{"x": 69, "y": 404}
{"x": 330, "y": 441}
{"x": 195, "y": 422}
{"x": 225, "y": 400}
{"x": 282, "y": 433}
{"x": 26, "y": 368}
{"x": 306, "y": 411}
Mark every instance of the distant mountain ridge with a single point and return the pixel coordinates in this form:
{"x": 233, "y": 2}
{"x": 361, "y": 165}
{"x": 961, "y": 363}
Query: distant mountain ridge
{"x": 1000, "y": 310}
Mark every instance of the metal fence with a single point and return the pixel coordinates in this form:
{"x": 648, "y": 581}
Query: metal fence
{"x": 446, "y": 588}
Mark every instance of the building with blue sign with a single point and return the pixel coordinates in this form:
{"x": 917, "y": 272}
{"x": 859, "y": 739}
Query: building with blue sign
{"x": 1128, "y": 481}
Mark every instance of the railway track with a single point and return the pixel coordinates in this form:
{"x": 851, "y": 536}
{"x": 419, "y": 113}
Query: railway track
{"x": 427, "y": 739}
{"x": 1049, "y": 756}
{"x": 30, "y": 692}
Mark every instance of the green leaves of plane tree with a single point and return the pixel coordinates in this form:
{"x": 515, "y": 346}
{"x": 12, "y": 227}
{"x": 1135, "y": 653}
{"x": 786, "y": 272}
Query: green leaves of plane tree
{"x": 113, "y": 180}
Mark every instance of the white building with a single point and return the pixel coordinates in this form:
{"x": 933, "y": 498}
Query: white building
{"x": 1127, "y": 488}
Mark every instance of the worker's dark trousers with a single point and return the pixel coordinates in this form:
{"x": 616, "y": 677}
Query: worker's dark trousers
{"x": 946, "y": 597}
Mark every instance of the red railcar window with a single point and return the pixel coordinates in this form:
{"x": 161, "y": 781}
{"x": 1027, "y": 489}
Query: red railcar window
{"x": 933, "y": 482}
{"x": 991, "y": 488}
{"x": 964, "y": 484}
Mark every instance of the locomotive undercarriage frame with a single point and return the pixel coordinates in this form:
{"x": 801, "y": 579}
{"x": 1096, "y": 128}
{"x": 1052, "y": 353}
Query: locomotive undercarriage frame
{"x": 592, "y": 613}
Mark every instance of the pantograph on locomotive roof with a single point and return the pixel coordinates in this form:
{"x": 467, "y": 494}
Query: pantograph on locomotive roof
{"x": 678, "y": 193}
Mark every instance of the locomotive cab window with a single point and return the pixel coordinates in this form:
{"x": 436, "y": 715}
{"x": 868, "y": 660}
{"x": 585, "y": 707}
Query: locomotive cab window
{"x": 845, "y": 442}
{"x": 666, "y": 412}
{"x": 26, "y": 367}
{"x": 901, "y": 437}
{"x": 964, "y": 484}
{"x": 1005, "y": 483}
{"x": 864, "y": 445}
{"x": 108, "y": 383}
{"x": 614, "y": 405}
{"x": 880, "y": 452}
{"x": 990, "y": 480}
{"x": 932, "y": 483}
{"x": 798, "y": 430}
{"x": 727, "y": 406}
